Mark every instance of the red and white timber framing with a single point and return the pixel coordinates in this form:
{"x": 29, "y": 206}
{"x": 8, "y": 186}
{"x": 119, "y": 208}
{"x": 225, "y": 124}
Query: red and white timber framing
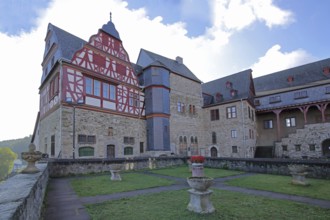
{"x": 104, "y": 58}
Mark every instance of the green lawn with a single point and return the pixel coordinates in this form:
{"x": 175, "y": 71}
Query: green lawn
{"x": 229, "y": 205}
{"x": 102, "y": 185}
{"x": 183, "y": 172}
{"x": 317, "y": 189}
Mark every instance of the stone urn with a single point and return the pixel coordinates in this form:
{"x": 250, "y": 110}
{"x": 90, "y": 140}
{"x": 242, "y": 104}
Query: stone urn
{"x": 299, "y": 173}
{"x": 115, "y": 171}
{"x": 31, "y": 157}
{"x": 200, "y": 195}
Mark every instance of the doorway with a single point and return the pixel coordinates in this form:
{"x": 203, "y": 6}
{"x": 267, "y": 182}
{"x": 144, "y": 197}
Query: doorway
{"x": 214, "y": 152}
{"x": 326, "y": 148}
{"x": 111, "y": 151}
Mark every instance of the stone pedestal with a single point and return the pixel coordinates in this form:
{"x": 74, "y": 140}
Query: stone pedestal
{"x": 197, "y": 170}
{"x": 200, "y": 201}
{"x": 299, "y": 179}
{"x": 115, "y": 175}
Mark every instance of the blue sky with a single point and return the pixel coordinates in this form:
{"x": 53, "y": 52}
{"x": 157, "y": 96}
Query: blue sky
{"x": 215, "y": 38}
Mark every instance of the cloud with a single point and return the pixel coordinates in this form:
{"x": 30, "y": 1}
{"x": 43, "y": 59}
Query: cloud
{"x": 205, "y": 55}
{"x": 235, "y": 15}
{"x": 275, "y": 60}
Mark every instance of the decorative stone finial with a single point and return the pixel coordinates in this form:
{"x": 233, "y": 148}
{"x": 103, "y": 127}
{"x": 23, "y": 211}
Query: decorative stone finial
{"x": 111, "y": 16}
{"x": 31, "y": 157}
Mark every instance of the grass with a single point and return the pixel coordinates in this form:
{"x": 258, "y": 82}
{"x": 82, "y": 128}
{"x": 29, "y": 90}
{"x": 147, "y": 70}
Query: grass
{"x": 317, "y": 189}
{"x": 102, "y": 185}
{"x": 183, "y": 172}
{"x": 229, "y": 205}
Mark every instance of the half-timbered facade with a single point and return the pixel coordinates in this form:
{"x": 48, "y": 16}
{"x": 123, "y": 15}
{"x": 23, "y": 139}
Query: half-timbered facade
{"x": 95, "y": 103}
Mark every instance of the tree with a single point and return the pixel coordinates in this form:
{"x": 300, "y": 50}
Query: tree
{"x": 7, "y": 158}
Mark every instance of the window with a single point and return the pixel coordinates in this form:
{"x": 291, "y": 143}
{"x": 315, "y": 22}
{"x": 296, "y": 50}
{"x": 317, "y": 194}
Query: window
{"x": 53, "y": 87}
{"x": 268, "y": 124}
{"x": 274, "y": 99}
{"x": 141, "y": 147}
{"x": 249, "y": 111}
{"x": 91, "y": 139}
{"x": 86, "y": 152}
{"x": 214, "y": 114}
{"x": 196, "y": 140}
{"x": 89, "y": 86}
{"x": 45, "y": 146}
{"x": 52, "y": 145}
{"x": 181, "y": 107}
{"x": 234, "y": 149}
{"x": 290, "y": 122}
{"x": 297, "y": 147}
{"x": 110, "y": 131}
{"x": 180, "y": 140}
{"x": 284, "y": 147}
{"x": 97, "y": 87}
{"x": 192, "y": 139}
{"x": 86, "y": 139}
{"x": 312, "y": 147}
{"x": 233, "y": 133}
{"x": 128, "y": 151}
{"x": 109, "y": 91}
{"x": 184, "y": 139}
{"x": 133, "y": 99}
{"x": 129, "y": 140}
{"x": 300, "y": 94}
{"x": 231, "y": 112}
{"x": 327, "y": 89}
{"x": 214, "y": 138}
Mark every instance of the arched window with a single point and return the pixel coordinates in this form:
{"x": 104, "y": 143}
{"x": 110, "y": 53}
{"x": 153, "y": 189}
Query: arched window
{"x": 128, "y": 151}
{"x": 185, "y": 139}
{"x": 86, "y": 152}
{"x": 180, "y": 140}
{"x": 192, "y": 139}
{"x": 196, "y": 140}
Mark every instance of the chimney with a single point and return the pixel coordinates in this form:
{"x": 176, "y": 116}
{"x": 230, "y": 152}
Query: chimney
{"x": 179, "y": 60}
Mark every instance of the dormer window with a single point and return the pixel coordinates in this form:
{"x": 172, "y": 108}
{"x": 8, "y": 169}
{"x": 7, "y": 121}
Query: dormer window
{"x": 274, "y": 99}
{"x": 233, "y": 92}
{"x": 300, "y": 94}
{"x": 229, "y": 85}
{"x": 326, "y": 71}
{"x": 290, "y": 79}
{"x": 256, "y": 102}
{"x": 218, "y": 97}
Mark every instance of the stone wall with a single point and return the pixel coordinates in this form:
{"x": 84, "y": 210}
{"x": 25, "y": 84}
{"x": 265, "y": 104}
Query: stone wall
{"x": 68, "y": 167}
{"x": 242, "y": 124}
{"x": 305, "y": 142}
{"x": 318, "y": 168}
{"x": 21, "y": 196}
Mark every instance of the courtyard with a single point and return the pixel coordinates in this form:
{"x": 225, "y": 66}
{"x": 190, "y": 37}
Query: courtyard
{"x": 162, "y": 194}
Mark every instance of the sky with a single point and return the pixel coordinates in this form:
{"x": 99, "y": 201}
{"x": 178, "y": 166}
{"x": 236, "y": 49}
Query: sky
{"x": 215, "y": 38}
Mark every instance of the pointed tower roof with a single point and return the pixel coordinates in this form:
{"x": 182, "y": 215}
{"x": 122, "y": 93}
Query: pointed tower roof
{"x": 111, "y": 29}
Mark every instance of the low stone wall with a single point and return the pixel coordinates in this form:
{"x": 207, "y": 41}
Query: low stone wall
{"x": 318, "y": 168}
{"x": 68, "y": 167}
{"x": 21, "y": 196}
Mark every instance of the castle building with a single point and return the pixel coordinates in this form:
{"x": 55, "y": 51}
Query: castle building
{"x": 96, "y": 103}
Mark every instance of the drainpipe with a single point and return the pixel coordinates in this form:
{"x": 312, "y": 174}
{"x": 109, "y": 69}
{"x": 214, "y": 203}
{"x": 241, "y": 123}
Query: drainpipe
{"x": 60, "y": 100}
{"x": 243, "y": 126}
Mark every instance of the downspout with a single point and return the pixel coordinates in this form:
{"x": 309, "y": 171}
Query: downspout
{"x": 243, "y": 127}
{"x": 60, "y": 97}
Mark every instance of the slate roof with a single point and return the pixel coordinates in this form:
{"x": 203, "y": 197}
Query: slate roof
{"x": 147, "y": 58}
{"x": 111, "y": 29}
{"x": 68, "y": 43}
{"x": 240, "y": 82}
{"x": 302, "y": 75}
